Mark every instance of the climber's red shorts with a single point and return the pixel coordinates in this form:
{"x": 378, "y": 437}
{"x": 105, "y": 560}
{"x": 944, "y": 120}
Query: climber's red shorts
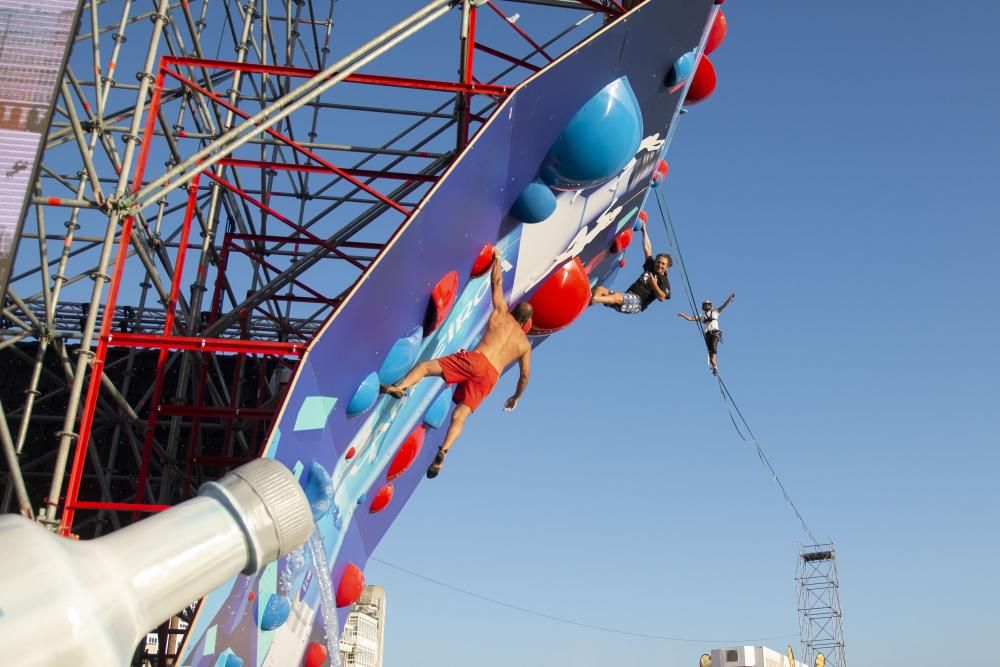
{"x": 474, "y": 375}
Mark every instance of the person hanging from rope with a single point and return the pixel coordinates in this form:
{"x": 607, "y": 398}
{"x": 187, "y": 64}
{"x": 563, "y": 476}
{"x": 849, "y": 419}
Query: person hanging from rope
{"x": 476, "y": 371}
{"x": 652, "y": 285}
{"x": 709, "y": 319}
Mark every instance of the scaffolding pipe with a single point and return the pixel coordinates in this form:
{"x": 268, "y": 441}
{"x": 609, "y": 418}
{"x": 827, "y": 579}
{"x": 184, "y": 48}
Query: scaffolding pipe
{"x": 288, "y": 103}
{"x": 14, "y": 466}
{"x": 84, "y": 355}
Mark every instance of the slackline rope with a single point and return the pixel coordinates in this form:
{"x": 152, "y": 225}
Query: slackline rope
{"x": 745, "y": 433}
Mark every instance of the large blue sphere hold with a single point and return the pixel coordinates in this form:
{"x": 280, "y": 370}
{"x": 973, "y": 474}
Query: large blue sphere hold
{"x": 598, "y": 141}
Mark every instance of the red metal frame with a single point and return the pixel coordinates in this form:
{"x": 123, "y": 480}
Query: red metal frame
{"x": 286, "y": 353}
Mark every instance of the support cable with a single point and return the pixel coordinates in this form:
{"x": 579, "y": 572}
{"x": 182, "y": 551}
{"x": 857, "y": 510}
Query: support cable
{"x": 735, "y": 414}
{"x": 560, "y": 619}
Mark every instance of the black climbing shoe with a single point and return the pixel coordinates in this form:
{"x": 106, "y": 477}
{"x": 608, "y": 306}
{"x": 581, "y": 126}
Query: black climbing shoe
{"x": 435, "y": 467}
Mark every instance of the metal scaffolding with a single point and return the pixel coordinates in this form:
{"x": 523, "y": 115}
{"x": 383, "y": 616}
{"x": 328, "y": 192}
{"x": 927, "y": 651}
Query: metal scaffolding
{"x": 820, "y": 619}
{"x": 215, "y": 178}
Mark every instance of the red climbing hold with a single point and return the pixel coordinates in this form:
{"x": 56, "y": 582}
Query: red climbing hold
{"x": 483, "y": 261}
{"x": 316, "y": 655}
{"x": 621, "y": 241}
{"x": 381, "y": 499}
{"x": 561, "y": 299}
{"x": 661, "y": 173}
{"x": 252, "y": 596}
{"x": 717, "y": 34}
{"x": 703, "y": 83}
{"x": 350, "y": 453}
{"x": 352, "y": 582}
{"x": 442, "y": 299}
{"x": 621, "y": 262}
{"x": 643, "y": 216}
{"x": 407, "y": 453}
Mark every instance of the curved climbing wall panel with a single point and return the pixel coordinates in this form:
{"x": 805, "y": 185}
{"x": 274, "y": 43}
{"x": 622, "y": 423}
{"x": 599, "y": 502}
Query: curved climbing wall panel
{"x": 554, "y": 182}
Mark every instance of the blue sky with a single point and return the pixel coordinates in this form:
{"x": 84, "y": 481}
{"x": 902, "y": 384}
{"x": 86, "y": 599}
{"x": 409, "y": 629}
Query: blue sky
{"x": 840, "y": 182}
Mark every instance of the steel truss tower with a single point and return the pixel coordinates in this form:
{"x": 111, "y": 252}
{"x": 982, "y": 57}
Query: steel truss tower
{"x": 820, "y": 619}
{"x": 216, "y": 176}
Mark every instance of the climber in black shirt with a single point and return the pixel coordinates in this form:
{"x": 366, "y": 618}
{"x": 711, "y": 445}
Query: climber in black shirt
{"x": 652, "y": 285}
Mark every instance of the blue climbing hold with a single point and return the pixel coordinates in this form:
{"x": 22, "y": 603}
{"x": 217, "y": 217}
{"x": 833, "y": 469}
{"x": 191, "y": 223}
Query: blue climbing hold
{"x": 319, "y": 490}
{"x": 681, "y": 70}
{"x": 229, "y": 659}
{"x": 365, "y": 396}
{"x": 400, "y": 358}
{"x": 362, "y": 498}
{"x": 535, "y": 203}
{"x": 275, "y": 612}
{"x": 435, "y": 414}
{"x": 598, "y": 141}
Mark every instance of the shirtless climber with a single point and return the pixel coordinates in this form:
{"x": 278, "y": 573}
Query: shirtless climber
{"x": 709, "y": 319}
{"x": 651, "y": 285}
{"x": 476, "y": 372}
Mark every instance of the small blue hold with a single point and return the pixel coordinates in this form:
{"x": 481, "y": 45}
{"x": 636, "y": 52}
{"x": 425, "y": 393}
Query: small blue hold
{"x": 275, "y": 613}
{"x": 319, "y": 490}
{"x": 535, "y": 203}
{"x": 364, "y": 398}
{"x": 435, "y": 414}
{"x": 229, "y": 659}
{"x": 362, "y": 498}
{"x": 680, "y": 70}
{"x": 401, "y": 357}
{"x": 637, "y": 225}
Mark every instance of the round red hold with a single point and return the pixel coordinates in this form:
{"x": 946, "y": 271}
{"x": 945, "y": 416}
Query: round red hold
{"x": 662, "y": 168}
{"x": 717, "y": 33}
{"x": 381, "y": 499}
{"x": 349, "y": 454}
{"x": 643, "y": 216}
{"x": 483, "y": 261}
{"x": 442, "y": 299}
{"x": 561, "y": 299}
{"x": 703, "y": 83}
{"x": 352, "y": 583}
{"x": 621, "y": 262}
{"x": 407, "y": 453}
{"x": 316, "y": 655}
{"x": 252, "y": 596}
{"x": 621, "y": 241}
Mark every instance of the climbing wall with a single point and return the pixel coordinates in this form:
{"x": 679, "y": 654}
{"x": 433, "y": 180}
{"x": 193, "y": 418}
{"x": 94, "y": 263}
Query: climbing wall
{"x": 554, "y": 182}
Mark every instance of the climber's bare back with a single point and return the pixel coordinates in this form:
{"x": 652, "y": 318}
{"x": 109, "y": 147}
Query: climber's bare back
{"x": 504, "y": 341}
